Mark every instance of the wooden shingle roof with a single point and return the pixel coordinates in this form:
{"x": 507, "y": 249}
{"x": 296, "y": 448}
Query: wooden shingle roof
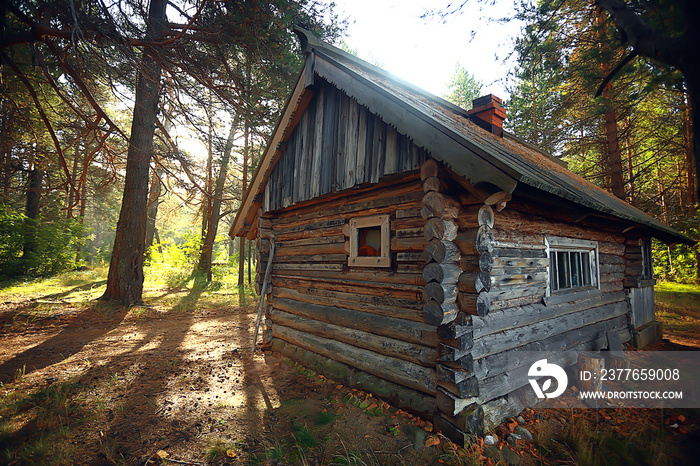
{"x": 447, "y": 132}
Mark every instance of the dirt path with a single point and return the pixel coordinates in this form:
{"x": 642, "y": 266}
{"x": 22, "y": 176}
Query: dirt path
{"x": 107, "y": 387}
{"x": 88, "y": 384}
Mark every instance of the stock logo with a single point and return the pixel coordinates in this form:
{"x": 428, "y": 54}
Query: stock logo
{"x": 541, "y": 369}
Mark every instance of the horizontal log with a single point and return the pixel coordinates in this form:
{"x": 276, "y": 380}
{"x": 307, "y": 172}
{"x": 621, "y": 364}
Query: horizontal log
{"x": 310, "y": 233}
{"x": 449, "y": 353}
{"x": 440, "y": 228}
{"x": 332, "y": 248}
{"x": 315, "y": 241}
{"x": 474, "y": 216}
{"x": 611, "y": 247}
{"x": 342, "y": 258}
{"x": 612, "y": 286}
{"x": 379, "y": 344}
{"x": 462, "y": 427}
{"x": 303, "y": 266}
{"x": 414, "y": 244}
{"x": 474, "y": 282}
{"x": 520, "y": 336}
{"x": 436, "y": 314}
{"x": 410, "y": 268}
{"x": 409, "y": 257}
{"x": 431, "y": 169}
{"x": 449, "y": 403}
{"x": 517, "y": 239}
{"x": 352, "y": 204}
{"x": 533, "y": 253}
{"x": 399, "y": 329}
{"x": 382, "y": 305}
{"x": 519, "y": 291}
{"x": 461, "y": 325}
{"x": 590, "y": 338}
{"x": 450, "y": 374}
{"x": 372, "y": 278}
{"x": 408, "y": 232}
{"x": 611, "y": 277}
{"x": 474, "y": 304}
{"x": 394, "y": 370}
{"x": 408, "y": 213}
{"x": 516, "y": 302}
{"x": 440, "y": 292}
{"x": 441, "y": 273}
{"x": 511, "y": 219}
{"x": 467, "y": 388}
{"x": 518, "y": 279}
{"x": 475, "y": 263}
{"x": 475, "y": 241}
{"x": 439, "y": 205}
{"x": 309, "y": 226}
{"x": 441, "y": 251}
{"x": 433, "y": 183}
{"x": 519, "y": 262}
{"x": 397, "y": 395}
{"x": 611, "y": 259}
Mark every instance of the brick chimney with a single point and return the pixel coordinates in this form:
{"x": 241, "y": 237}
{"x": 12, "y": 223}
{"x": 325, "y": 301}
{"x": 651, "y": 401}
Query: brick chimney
{"x": 488, "y": 112}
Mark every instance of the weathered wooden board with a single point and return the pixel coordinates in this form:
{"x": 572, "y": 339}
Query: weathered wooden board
{"x": 338, "y": 144}
{"x": 398, "y": 395}
{"x": 395, "y": 370}
{"x": 520, "y": 336}
{"x": 411, "y": 352}
{"x": 399, "y": 329}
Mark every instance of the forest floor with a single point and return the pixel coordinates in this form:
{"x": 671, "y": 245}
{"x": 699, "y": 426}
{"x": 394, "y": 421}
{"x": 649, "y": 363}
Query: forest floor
{"x": 82, "y": 382}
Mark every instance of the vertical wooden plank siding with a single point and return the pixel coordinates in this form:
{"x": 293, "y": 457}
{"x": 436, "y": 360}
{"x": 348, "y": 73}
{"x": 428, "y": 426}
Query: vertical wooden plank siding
{"x": 338, "y": 144}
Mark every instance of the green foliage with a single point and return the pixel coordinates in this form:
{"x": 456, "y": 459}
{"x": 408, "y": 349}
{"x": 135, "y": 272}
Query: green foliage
{"x": 172, "y": 264}
{"x": 35, "y": 247}
{"x": 566, "y": 50}
{"x": 463, "y": 87}
{"x": 11, "y": 237}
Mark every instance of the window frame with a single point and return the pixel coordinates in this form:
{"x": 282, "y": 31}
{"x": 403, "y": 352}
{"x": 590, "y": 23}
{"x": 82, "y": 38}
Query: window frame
{"x": 384, "y": 260}
{"x": 556, "y": 244}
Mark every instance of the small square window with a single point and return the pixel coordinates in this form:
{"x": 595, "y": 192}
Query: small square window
{"x": 573, "y": 264}
{"x": 370, "y": 242}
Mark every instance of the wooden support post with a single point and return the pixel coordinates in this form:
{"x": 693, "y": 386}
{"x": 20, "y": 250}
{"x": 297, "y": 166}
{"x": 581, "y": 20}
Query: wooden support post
{"x": 262, "y": 296}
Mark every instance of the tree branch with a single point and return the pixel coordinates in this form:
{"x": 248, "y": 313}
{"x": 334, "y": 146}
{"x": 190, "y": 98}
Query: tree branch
{"x": 614, "y": 71}
{"x": 644, "y": 40}
{"x": 42, "y": 114}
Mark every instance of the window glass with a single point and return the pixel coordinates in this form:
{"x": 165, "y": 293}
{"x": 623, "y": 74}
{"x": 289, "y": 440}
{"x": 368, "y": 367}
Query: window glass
{"x": 572, "y": 264}
{"x": 369, "y": 241}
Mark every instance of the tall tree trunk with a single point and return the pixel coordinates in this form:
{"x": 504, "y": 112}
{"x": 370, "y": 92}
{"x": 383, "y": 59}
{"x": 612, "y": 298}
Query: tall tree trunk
{"x": 612, "y": 140}
{"x": 205, "y": 257}
{"x": 125, "y": 278}
{"x": 244, "y": 188}
{"x": 690, "y": 180}
{"x": 7, "y": 115}
{"x": 73, "y": 176}
{"x": 153, "y": 203}
{"x": 34, "y": 182}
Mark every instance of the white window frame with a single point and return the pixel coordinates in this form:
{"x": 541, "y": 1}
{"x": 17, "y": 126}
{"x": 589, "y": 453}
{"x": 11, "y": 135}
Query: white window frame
{"x": 589, "y": 248}
{"x": 384, "y": 260}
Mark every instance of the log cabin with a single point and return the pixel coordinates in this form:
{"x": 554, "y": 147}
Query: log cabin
{"x": 416, "y": 245}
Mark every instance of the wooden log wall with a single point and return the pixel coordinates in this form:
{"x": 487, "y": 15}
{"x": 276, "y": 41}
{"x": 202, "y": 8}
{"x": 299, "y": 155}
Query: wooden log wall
{"x": 503, "y": 308}
{"x": 368, "y": 319}
{"x": 443, "y": 276}
{"x": 337, "y": 144}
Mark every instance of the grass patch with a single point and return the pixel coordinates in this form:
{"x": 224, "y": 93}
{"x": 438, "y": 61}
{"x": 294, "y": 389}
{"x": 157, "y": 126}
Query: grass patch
{"x": 35, "y": 426}
{"x": 585, "y": 442}
{"x": 75, "y": 286}
{"x": 678, "y": 296}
